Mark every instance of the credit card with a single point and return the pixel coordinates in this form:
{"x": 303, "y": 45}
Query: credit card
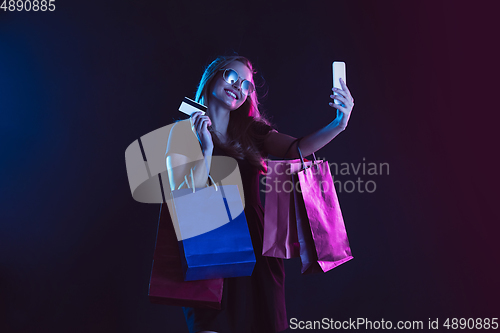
{"x": 188, "y": 106}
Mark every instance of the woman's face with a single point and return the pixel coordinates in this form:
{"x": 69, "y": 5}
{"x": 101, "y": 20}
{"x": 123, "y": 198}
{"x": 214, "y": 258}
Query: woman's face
{"x": 230, "y": 95}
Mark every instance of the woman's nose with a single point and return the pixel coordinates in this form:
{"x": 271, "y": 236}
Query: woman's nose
{"x": 237, "y": 84}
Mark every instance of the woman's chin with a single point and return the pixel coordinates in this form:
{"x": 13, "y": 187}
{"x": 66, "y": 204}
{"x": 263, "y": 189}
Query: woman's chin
{"x": 231, "y": 105}
{"x": 226, "y": 103}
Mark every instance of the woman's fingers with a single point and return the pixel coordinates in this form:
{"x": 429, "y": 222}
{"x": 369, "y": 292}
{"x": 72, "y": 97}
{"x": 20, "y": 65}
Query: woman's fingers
{"x": 209, "y": 122}
{"x": 339, "y": 91}
{"x": 341, "y": 99}
{"x": 344, "y": 91}
{"x": 340, "y": 108}
{"x": 195, "y": 116}
{"x": 344, "y": 87}
{"x": 204, "y": 119}
{"x": 198, "y": 125}
{"x": 194, "y": 119}
{"x": 343, "y": 96}
{"x": 199, "y": 120}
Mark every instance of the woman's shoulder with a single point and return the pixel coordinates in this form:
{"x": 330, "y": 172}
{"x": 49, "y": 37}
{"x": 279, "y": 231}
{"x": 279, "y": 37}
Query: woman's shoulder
{"x": 260, "y": 131}
{"x": 181, "y": 129}
{"x": 261, "y": 128}
{"x": 181, "y": 124}
{"x": 182, "y": 140}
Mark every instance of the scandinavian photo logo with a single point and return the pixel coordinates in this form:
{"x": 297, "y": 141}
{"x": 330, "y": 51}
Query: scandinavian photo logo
{"x": 281, "y": 177}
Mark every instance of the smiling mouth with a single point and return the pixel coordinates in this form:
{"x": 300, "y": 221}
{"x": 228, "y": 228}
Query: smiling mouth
{"x": 231, "y": 93}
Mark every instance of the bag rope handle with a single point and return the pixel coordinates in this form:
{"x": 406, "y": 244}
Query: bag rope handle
{"x": 303, "y": 164}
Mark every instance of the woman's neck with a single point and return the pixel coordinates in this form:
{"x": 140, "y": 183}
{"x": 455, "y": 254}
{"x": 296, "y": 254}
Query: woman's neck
{"x": 219, "y": 115}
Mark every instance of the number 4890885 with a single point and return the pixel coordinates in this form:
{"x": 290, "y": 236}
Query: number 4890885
{"x": 28, "y": 5}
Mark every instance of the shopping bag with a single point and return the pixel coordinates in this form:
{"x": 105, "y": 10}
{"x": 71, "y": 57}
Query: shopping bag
{"x": 304, "y": 218}
{"x": 167, "y": 285}
{"x": 320, "y": 225}
{"x": 212, "y": 233}
{"x": 280, "y": 225}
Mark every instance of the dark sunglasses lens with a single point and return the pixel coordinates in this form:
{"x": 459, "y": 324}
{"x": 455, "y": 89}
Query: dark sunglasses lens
{"x": 247, "y": 87}
{"x": 230, "y": 76}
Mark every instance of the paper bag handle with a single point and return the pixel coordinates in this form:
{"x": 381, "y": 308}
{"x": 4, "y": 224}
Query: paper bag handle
{"x": 192, "y": 182}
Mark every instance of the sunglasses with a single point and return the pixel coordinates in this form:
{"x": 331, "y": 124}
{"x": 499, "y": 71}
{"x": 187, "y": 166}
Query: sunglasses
{"x": 231, "y": 76}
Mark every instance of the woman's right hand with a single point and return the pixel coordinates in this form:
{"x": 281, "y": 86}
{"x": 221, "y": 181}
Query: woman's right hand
{"x": 200, "y": 123}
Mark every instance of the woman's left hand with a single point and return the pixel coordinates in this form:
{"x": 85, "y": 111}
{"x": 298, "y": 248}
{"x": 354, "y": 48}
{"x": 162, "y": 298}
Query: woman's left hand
{"x": 344, "y": 96}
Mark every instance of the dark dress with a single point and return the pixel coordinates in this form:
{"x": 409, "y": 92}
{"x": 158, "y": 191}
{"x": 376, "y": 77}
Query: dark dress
{"x": 250, "y": 303}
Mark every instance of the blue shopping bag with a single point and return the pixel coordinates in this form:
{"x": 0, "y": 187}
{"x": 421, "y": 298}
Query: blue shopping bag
{"x": 212, "y": 233}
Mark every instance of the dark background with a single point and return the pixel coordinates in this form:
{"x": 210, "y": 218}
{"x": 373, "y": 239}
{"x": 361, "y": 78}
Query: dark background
{"x": 80, "y": 84}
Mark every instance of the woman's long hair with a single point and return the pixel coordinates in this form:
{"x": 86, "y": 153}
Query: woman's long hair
{"x": 244, "y": 123}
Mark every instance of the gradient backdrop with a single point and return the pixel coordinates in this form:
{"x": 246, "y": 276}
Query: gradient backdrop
{"x": 79, "y": 84}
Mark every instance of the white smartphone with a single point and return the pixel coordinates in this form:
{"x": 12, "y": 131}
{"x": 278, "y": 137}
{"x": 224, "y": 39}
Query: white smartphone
{"x": 188, "y": 106}
{"x": 338, "y": 68}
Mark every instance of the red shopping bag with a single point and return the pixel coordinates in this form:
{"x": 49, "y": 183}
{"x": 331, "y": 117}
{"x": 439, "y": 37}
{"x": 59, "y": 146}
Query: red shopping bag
{"x": 167, "y": 285}
{"x": 280, "y": 224}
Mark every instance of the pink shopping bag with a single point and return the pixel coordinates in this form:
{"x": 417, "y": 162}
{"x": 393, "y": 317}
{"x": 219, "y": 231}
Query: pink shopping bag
{"x": 320, "y": 225}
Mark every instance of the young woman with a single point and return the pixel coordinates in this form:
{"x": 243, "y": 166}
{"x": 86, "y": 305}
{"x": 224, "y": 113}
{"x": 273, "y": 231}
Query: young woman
{"x": 233, "y": 126}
